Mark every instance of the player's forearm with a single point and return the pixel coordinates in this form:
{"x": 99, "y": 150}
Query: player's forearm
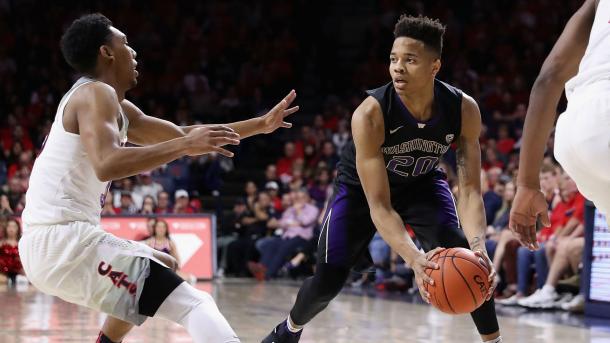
{"x": 392, "y": 229}
{"x": 539, "y": 122}
{"x": 245, "y": 128}
{"x": 128, "y": 161}
{"x": 472, "y": 214}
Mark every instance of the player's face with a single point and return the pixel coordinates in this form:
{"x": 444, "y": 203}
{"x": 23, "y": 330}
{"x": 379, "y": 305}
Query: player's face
{"x": 124, "y": 59}
{"x": 412, "y": 65}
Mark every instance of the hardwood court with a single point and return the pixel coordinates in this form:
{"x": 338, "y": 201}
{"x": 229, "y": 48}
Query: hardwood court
{"x": 29, "y": 316}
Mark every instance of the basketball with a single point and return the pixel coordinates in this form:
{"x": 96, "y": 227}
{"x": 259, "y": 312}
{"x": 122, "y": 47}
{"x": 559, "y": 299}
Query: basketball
{"x": 461, "y": 282}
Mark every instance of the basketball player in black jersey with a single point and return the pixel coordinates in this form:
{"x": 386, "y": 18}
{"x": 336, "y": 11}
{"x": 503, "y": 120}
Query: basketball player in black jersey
{"x": 389, "y": 176}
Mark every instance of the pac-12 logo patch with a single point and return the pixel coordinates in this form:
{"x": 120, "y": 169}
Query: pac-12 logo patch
{"x": 449, "y": 138}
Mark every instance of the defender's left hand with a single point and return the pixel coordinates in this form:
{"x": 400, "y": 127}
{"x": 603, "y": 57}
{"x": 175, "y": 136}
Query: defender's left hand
{"x": 274, "y": 119}
{"x": 493, "y": 282}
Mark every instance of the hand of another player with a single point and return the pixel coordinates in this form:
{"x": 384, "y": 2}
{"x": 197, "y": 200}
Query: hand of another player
{"x": 493, "y": 280}
{"x": 207, "y": 139}
{"x": 419, "y": 266}
{"x": 274, "y": 119}
{"x": 528, "y": 206}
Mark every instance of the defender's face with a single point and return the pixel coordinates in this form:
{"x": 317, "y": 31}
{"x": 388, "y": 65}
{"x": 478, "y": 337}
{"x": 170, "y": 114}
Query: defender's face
{"x": 412, "y": 65}
{"x": 124, "y": 58}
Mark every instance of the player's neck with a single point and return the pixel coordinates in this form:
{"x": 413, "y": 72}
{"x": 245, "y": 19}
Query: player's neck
{"x": 419, "y": 103}
{"x": 111, "y": 80}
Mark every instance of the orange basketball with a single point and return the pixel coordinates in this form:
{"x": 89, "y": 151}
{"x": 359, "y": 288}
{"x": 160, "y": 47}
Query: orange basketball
{"x": 461, "y": 283}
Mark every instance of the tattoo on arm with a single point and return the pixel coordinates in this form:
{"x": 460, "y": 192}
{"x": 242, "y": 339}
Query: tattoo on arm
{"x": 475, "y": 243}
{"x": 462, "y": 171}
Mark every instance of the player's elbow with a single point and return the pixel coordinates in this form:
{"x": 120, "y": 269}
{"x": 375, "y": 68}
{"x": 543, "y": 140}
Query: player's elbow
{"x": 379, "y": 213}
{"x": 104, "y": 173}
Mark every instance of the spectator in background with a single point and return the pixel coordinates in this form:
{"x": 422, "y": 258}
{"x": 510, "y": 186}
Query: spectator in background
{"x": 526, "y": 257}
{"x": 284, "y": 164}
{"x": 148, "y": 205}
{"x": 10, "y": 263}
{"x": 5, "y": 206}
{"x": 505, "y": 141}
{"x": 567, "y": 259}
{"x": 271, "y": 175}
{"x": 319, "y": 190}
{"x": 255, "y": 225}
{"x": 251, "y": 194}
{"x": 108, "y": 209}
{"x": 549, "y": 184}
{"x": 492, "y": 197}
{"x": 571, "y": 210}
{"x": 127, "y": 204}
{"x": 297, "y": 224}
{"x": 505, "y": 251}
{"x": 182, "y": 203}
{"x": 162, "y": 241}
{"x": 150, "y": 230}
{"x": 329, "y": 155}
{"x": 163, "y": 205}
{"x": 273, "y": 189}
{"x": 342, "y": 136}
{"x": 230, "y": 232}
{"x": 147, "y": 187}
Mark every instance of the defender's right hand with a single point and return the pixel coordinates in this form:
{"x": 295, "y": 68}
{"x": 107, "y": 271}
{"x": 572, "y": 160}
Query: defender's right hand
{"x": 207, "y": 139}
{"x": 419, "y": 266}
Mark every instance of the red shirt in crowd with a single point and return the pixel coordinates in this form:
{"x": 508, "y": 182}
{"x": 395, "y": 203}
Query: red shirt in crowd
{"x": 560, "y": 215}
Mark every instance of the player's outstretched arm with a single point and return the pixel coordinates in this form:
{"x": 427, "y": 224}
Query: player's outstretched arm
{"x": 146, "y": 130}
{"x": 558, "y": 68}
{"x": 97, "y": 106}
{"x": 368, "y": 133}
{"x": 470, "y": 201}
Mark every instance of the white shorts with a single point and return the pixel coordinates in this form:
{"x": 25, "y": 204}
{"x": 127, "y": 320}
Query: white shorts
{"x": 582, "y": 142}
{"x": 82, "y": 264}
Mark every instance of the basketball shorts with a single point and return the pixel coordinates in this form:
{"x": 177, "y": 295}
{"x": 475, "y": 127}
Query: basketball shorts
{"x": 82, "y": 264}
{"x": 427, "y": 206}
{"x": 582, "y": 142}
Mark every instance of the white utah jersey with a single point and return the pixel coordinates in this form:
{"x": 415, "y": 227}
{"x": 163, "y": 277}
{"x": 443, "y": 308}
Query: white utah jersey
{"x": 63, "y": 185}
{"x": 595, "y": 64}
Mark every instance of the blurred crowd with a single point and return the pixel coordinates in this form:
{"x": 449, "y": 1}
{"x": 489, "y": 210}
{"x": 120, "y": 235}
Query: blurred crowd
{"x": 203, "y": 62}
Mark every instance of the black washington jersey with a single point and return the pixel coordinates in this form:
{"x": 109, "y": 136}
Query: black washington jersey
{"x": 411, "y": 149}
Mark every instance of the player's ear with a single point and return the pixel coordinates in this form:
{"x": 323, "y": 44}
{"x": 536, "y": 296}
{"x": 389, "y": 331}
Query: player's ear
{"x": 436, "y": 66}
{"x": 106, "y": 52}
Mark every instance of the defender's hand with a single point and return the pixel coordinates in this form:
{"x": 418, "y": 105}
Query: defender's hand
{"x": 274, "y": 119}
{"x": 209, "y": 139}
{"x": 529, "y": 204}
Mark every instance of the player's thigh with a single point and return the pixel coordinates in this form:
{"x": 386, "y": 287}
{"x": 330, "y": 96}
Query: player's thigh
{"x": 347, "y": 227}
{"x": 432, "y": 214}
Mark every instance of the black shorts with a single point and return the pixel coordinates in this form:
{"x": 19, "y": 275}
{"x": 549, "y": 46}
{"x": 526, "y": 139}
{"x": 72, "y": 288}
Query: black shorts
{"x": 428, "y": 207}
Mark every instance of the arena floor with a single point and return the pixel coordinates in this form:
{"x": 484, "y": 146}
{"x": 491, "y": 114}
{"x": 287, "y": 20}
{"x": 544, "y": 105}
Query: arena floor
{"x": 28, "y": 316}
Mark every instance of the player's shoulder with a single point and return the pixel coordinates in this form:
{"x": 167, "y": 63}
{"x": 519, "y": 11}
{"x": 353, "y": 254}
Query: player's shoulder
{"x": 369, "y": 110}
{"x": 445, "y": 89}
{"x": 95, "y": 91}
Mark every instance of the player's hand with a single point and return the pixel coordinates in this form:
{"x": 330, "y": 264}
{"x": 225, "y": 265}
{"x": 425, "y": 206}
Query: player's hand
{"x": 207, "y": 139}
{"x": 493, "y": 280}
{"x": 419, "y": 266}
{"x": 274, "y": 119}
{"x": 528, "y": 206}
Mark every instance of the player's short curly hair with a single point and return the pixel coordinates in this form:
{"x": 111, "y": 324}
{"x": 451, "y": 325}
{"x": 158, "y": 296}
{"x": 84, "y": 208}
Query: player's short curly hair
{"x": 430, "y": 31}
{"x": 81, "y": 41}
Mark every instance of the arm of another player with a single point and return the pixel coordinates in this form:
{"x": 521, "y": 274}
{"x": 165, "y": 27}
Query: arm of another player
{"x": 97, "y": 106}
{"x": 146, "y": 130}
{"x": 470, "y": 202}
{"x": 558, "y": 68}
{"x": 368, "y": 133}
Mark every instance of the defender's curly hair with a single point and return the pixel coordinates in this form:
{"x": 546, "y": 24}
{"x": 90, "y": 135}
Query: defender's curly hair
{"x": 81, "y": 41}
{"x": 430, "y": 31}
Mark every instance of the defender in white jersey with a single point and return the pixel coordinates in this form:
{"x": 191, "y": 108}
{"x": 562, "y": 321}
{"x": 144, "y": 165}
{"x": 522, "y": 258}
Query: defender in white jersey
{"x": 64, "y": 251}
{"x": 582, "y": 136}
